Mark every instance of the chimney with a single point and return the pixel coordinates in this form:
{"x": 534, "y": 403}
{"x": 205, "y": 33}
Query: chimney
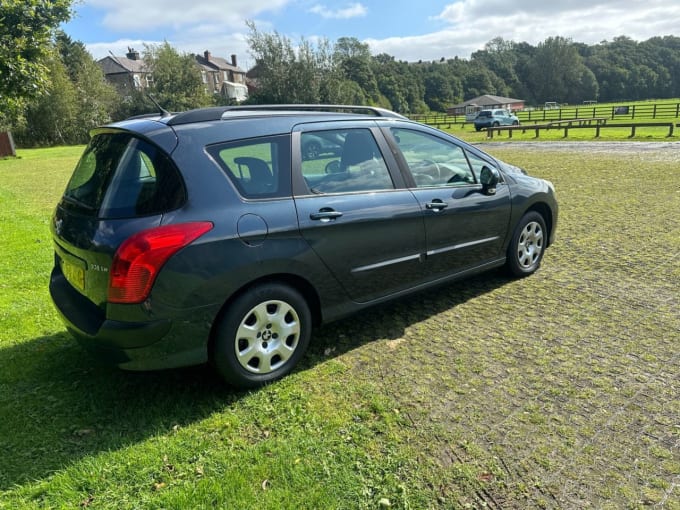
{"x": 132, "y": 54}
{"x": 233, "y": 61}
{"x": 206, "y": 54}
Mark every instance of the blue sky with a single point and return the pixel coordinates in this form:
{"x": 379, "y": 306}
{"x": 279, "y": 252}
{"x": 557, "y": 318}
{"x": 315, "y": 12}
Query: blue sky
{"x": 414, "y": 30}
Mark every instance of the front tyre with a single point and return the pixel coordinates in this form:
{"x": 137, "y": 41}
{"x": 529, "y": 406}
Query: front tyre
{"x": 262, "y": 335}
{"x": 527, "y": 245}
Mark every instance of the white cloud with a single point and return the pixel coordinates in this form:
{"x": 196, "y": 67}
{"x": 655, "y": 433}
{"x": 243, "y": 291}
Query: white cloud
{"x": 458, "y": 29}
{"x": 355, "y": 10}
{"x": 470, "y": 24}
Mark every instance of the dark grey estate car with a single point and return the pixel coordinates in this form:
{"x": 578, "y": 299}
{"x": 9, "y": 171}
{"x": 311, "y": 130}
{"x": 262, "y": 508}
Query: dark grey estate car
{"x": 211, "y": 235}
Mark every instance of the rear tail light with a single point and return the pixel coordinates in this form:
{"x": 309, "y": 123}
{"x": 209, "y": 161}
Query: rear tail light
{"x": 139, "y": 259}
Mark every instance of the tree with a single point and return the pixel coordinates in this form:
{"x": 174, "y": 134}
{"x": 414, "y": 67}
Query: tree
{"x": 95, "y": 97}
{"x": 177, "y": 83}
{"x": 500, "y": 57}
{"x": 556, "y": 71}
{"x": 285, "y": 74}
{"x": 439, "y": 93}
{"x": 77, "y": 99}
{"x": 51, "y": 118}
{"x": 26, "y": 28}
{"x": 354, "y": 59}
{"x": 400, "y": 83}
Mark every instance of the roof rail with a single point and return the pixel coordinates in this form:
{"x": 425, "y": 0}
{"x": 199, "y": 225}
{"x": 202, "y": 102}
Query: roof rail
{"x": 215, "y": 113}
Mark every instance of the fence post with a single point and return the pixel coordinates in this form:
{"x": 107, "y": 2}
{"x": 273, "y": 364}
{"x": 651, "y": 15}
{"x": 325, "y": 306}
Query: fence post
{"x": 634, "y": 111}
{"x": 654, "y": 114}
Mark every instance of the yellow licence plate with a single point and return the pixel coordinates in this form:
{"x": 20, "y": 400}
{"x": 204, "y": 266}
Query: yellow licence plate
{"x": 74, "y": 274}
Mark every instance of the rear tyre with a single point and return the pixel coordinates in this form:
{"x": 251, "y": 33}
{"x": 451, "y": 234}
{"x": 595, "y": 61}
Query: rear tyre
{"x": 527, "y": 245}
{"x": 262, "y": 335}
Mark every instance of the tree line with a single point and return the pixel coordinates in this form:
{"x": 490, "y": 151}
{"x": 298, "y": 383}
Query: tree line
{"x": 52, "y": 91}
{"x": 556, "y": 69}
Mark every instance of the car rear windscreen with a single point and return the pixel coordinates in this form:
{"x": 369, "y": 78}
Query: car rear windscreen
{"x": 122, "y": 176}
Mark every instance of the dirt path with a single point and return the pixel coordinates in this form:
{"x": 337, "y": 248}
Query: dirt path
{"x": 660, "y": 150}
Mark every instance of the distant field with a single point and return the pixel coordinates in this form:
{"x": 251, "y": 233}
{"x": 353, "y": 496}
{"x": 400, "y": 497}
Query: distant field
{"x": 557, "y": 391}
{"x": 636, "y": 112}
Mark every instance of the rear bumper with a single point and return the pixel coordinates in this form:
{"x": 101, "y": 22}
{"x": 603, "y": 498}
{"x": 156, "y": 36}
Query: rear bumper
{"x": 136, "y": 345}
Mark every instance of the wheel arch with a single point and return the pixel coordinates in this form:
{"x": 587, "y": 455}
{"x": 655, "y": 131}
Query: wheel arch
{"x": 300, "y": 284}
{"x": 544, "y": 210}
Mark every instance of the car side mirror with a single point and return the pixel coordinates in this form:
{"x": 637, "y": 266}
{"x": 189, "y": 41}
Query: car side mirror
{"x": 489, "y": 178}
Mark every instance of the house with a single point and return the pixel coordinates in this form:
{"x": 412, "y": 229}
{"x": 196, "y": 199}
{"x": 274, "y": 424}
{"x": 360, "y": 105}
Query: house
{"x": 126, "y": 73}
{"x": 219, "y": 76}
{"x": 222, "y": 77}
{"x": 471, "y": 107}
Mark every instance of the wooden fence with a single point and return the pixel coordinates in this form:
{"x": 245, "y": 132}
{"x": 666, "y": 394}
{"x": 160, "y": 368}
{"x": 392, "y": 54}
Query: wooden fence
{"x": 567, "y": 125}
{"x": 651, "y": 111}
{"x": 635, "y": 112}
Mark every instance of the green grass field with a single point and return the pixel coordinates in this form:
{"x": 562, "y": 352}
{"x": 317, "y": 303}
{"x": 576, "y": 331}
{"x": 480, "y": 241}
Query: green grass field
{"x": 663, "y": 111}
{"x": 555, "y": 391}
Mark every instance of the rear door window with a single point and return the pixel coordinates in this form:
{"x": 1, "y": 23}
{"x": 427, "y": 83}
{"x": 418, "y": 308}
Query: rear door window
{"x": 259, "y": 168}
{"x": 122, "y": 176}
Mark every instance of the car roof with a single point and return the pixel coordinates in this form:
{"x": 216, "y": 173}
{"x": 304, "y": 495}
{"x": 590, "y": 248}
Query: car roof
{"x": 224, "y": 123}
{"x": 241, "y": 111}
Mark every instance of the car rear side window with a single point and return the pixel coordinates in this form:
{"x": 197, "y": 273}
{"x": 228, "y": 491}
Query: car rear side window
{"x": 259, "y": 168}
{"x": 121, "y": 176}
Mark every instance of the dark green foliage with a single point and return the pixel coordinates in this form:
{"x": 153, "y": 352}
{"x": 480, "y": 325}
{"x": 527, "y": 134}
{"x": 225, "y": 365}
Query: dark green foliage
{"x": 557, "y": 69}
{"x": 177, "y": 83}
{"x": 25, "y": 30}
{"x": 76, "y": 99}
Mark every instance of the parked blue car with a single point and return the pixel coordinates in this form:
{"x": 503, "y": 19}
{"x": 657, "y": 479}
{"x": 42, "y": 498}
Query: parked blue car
{"x": 499, "y": 117}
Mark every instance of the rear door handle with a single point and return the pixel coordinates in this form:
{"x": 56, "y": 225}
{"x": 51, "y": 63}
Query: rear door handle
{"x": 325, "y": 214}
{"x": 436, "y": 205}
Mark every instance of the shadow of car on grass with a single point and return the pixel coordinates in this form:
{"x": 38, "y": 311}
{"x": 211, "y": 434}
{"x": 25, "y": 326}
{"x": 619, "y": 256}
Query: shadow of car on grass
{"x": 59, "y": 405}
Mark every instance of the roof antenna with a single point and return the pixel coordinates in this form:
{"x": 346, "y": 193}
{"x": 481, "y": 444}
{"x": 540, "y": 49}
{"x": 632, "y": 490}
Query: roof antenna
{"x": 164, "y": 112}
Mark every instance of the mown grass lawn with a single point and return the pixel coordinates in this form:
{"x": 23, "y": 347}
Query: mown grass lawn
{"x": 555, "y": 391}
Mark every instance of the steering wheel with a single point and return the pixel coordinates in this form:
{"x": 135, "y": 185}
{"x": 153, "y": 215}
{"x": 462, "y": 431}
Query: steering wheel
{"x": 429, "y": 162}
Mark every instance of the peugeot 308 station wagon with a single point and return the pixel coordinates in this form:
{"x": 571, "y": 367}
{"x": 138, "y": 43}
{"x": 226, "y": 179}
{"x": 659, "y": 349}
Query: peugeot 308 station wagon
{"x": 211, "y": 235}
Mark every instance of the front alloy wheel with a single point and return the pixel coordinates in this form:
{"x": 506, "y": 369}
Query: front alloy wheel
{"x": 262, "y": 335}
{"x": 527, "y": 246}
